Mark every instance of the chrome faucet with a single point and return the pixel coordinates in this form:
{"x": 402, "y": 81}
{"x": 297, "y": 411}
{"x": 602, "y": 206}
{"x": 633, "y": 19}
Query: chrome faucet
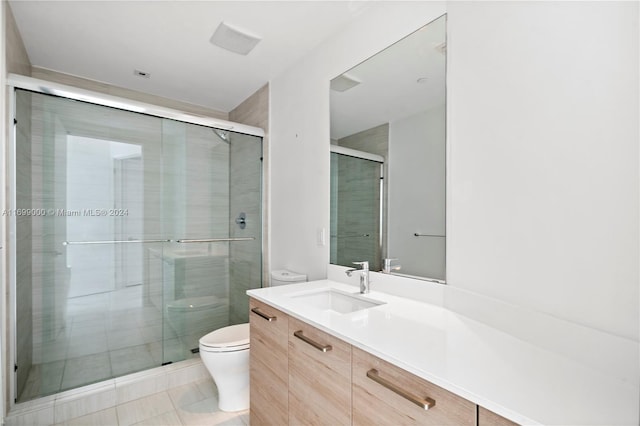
{"x": 388, "y": 268}
{"x": 364, "y": 275}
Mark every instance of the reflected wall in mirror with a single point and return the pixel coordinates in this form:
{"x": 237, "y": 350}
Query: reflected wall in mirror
{"x": 388, "y": 154}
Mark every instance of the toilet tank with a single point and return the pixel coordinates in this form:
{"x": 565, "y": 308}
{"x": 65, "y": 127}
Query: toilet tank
{"x": 283, "y": 276}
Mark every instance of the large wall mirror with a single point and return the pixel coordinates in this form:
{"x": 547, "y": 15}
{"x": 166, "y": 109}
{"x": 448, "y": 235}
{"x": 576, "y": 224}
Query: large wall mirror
{"x": 388, "y": 155}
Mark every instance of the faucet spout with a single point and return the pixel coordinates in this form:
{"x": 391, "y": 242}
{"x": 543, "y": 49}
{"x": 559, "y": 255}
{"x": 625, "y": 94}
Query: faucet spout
{"x": 349, "y": 272}
{"x": 364, "y": 276}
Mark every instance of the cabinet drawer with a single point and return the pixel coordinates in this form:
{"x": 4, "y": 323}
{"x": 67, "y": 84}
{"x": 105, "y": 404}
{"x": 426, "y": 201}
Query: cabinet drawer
{"x": 489, "y": 418}
{"x": 268, "y": 365}
{"x": 375, "y": 403}
{"x": 319, "y": 377}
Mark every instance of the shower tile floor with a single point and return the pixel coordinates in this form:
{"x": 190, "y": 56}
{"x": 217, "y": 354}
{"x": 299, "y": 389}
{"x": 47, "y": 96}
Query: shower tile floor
{"x": 105, "y": 335}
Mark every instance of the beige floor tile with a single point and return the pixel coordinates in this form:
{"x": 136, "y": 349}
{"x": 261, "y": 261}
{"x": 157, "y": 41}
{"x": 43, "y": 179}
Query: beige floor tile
{"x": 106, "y": 417}
{"x": 145, "y": 408}
{"x": 185, "y": 395}
{"x": 207, "y": 387}
{"x": 235, "y": 419}
{"x": 205, "y": 412}
{"x": 167, "y": 419}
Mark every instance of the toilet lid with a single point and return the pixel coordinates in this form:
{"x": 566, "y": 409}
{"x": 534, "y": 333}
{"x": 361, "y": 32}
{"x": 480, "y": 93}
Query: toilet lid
{"x": 233, "y": 337}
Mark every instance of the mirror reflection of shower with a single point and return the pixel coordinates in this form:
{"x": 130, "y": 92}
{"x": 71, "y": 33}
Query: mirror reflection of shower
{"x": 357, "y": 198}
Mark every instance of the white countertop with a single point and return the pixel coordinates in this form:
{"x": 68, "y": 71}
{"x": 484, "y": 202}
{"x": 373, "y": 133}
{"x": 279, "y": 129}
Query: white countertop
{"x": 524, "y": 382}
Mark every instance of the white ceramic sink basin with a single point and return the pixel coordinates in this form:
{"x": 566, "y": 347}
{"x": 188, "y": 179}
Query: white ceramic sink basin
{"x": 336, "y": 300}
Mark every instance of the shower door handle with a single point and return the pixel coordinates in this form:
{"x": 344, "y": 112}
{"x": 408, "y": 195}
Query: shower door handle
{"x": 73, "y": 243}
{"x": 216, "y": 240}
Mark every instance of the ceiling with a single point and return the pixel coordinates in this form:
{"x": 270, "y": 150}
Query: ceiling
{"x": 107, "y": 40}
{"x": 389, "y": 89}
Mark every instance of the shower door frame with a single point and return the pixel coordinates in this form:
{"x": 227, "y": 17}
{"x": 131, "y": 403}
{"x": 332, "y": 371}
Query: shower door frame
{"x": 13, "y": 82}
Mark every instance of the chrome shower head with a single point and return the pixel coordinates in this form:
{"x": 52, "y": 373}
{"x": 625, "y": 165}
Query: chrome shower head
{"x": 222, "y": 134}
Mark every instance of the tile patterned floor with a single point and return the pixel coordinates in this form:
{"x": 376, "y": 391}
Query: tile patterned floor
{"x": 195, "y": 404}
{"x": 105, "y": 336}
{"x": 110, "y": 335}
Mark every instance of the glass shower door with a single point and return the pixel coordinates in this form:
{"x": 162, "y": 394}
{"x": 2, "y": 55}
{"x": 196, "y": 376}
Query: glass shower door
{"x": 196, "y": 210}
{"x": 211, "y": 177}
{"x": 88, "y": 185}
{"x": 137, "y": 235}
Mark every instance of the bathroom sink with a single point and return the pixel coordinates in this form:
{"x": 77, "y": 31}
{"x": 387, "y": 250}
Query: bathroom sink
{"x": 336, "y": 300}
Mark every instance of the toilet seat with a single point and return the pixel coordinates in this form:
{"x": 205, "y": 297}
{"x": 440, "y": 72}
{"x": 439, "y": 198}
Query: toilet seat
{"x": 227, "y": 339}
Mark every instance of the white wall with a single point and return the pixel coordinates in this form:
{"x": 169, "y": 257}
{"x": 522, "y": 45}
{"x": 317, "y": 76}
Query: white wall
{"x": 543, "y": 133}
{"x": 543, "y": 152}
{"x": 417, "y": 192}
{"x": 299, "y": 131}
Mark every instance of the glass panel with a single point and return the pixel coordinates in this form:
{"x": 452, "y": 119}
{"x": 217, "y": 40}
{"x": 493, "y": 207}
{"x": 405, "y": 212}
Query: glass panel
{"x": 355, "y": 210}
{"x": 89, "y": 174}
{"x": 111, "y": 278}
{"x": 211, "y": 176}
{"x": 196, "y": 206}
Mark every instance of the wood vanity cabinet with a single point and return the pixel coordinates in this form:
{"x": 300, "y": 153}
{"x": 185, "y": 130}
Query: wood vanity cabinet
{"x": 489, "y": 418}
{"x": 319, "y": 377}
{"x": 384, "y": 394}
{"x": 269, "y": 371}
{"x": 301, "y": 375}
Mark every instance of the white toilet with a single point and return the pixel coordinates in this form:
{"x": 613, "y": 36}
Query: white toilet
{"x": 284, "y": 276}
{"x": 192, "y": 317}
{"x": 225, "y": 354}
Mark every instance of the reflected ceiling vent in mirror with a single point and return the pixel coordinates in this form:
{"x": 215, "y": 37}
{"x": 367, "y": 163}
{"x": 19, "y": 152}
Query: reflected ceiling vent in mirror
{"x": 442, "y": 47}
{"x": 344, "y": 82}
{"x": 234, "y": 39}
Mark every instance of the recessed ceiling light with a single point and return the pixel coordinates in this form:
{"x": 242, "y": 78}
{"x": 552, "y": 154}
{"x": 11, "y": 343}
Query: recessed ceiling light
{"x": 234, "y": 39}
{"x": 344, "y": 82}
{"x": 142, "y": 74}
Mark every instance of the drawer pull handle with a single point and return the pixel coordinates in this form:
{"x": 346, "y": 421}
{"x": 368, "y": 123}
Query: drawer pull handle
{"x": 424, "y": 403}
{"x": 318, "y": 346}
{"x": 258, "y": 312}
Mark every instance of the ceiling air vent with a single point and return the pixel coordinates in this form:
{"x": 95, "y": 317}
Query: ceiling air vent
{"x": 234, "y": 39}
{"x": 344, "y": 82}
{"x": 441, "y": 48}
